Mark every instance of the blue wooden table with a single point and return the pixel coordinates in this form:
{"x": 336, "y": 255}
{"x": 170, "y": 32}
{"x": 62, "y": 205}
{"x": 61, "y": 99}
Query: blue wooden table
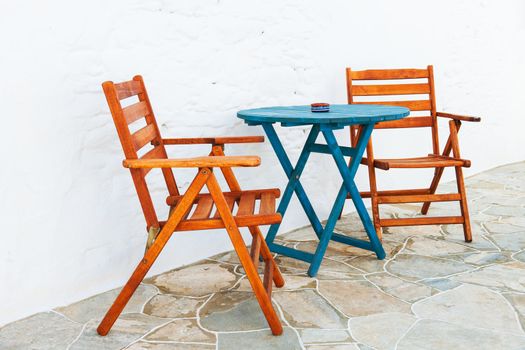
{"x": 325, "y": 123}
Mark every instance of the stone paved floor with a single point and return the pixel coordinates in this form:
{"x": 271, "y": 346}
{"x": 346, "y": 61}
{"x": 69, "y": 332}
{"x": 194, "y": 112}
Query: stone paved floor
{"x": 433, "y": 291}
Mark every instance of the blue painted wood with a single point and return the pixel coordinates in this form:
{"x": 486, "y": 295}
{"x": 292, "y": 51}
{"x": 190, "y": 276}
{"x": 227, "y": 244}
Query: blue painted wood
{"x": 317, "y": 148}
{"x": 339, "y": 114}
{"x": 291, "y": 252}
{"x": 325, "y": 123}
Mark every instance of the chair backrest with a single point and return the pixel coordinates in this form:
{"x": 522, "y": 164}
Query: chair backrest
{"x": 411, "y": 88}
{"x": 139, "y": 134}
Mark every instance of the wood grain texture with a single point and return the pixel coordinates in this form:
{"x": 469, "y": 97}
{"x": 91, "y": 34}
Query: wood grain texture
{"x": 220, "y": 140}
{"x": 196, "y": 162}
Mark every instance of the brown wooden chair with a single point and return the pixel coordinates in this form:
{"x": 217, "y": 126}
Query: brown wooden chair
{"x": 192, "y": 210}
{"x": 419, "y": 82}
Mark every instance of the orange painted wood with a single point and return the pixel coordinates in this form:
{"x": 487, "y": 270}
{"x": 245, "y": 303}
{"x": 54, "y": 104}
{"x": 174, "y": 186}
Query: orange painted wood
{"x": 127, "y": 89}
{"x": 420, "y": 162}
{"x": 203, "y": 210}
{"x": 242, "y": 221}
{"x": 414, "y": 105}
{"x": 394, "y": 89}
{"x": 267, "y": 204}
{"x": 409, "y": 122}
{"x": 143, "y": 136}
{"x": 268, "y": 277}
{"x": 255, "y": 249}
{"x": 445, "y": 197}
{"x": 415, "y": 81}
{"x": 274, "y": 192}
{"x": 246, "y": 205}
{"x": 464, "y": 118}
{"x": 386, "y": 74}
{"x": 213, "y": 140}
{"x": 196, "y": 162}
{"x": 434, "y": 220}
{"x": 135, "y": 111}
{"x": 181, "y": 205}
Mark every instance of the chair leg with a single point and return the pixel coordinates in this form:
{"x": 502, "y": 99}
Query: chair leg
{"x": 242, "y": 252}
{"x": 467, "y": 230}
{"x": 267, "y": 256}
{"x": 433, "y": 187}
{"x": 153, "y": 252}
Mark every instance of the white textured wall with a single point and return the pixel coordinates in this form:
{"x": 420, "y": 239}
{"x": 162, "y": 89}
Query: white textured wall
{"x": 71, "y": 223}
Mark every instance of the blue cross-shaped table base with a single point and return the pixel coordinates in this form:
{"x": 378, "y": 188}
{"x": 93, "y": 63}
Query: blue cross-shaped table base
{"x": 325, "y": 123}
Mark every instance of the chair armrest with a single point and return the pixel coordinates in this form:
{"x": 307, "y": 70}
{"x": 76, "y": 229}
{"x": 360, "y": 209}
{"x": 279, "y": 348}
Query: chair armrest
{"x": 465, "y": 118}
{"x": 213, "y": 140}
{"x": 197, "y": 162}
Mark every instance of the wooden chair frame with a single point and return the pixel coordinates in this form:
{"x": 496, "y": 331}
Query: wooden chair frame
{"x": 437, "y": 160}
{"x": 179, "y": 218}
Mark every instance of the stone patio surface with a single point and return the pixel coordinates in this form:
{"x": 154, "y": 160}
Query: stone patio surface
{"x": 433, "y": 291}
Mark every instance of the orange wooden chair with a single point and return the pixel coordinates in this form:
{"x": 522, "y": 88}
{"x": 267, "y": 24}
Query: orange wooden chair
{"x": 192, "y": 210}
{"x": 421, "y": 83}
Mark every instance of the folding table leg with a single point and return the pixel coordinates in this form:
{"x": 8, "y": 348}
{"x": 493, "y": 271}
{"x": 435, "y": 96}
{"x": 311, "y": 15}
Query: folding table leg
{"x": 153, "y": 252}
{"x": 348, "y": 174}
{"x": 259, "y": 290}
{"x": 293, "y": 174}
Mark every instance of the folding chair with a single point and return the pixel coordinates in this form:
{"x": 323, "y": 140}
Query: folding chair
{"x": 365, "y": 83}
{"x": 193, "y": 201}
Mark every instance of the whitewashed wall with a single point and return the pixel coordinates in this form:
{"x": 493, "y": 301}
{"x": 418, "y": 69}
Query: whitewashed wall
{"x": 71, "y": 223}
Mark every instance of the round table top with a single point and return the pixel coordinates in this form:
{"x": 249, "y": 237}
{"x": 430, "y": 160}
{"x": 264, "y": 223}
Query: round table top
{"x": 339, "y": 114}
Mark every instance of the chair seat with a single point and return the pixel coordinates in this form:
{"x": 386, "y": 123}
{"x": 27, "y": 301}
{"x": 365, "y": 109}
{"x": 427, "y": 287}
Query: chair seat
{"x": 249, "y": 208}
{"x": 430, "y": 161}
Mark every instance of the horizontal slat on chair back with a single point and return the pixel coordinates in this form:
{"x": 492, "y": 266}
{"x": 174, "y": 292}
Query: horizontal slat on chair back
{"x": 389, "y": 74}
{"x": 144, "y": 136}
{"x": 419, "y": 105}
{"x": 391, "y": 87}
{"x": 128, "y": 88}
{"x": 135, "y": 111}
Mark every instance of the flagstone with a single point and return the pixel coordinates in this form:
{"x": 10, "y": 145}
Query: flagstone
{"x": 127, "y": 329}
{"x": 307, "y": 309}
{"x": 333, "y": 347}
{"x": 441, "y": 284}
{"x": 169, "y": 346}
{"x": 401, "y": 233}
{"x": 470, "y": 305}
{"x": 417, "y": 267}
{"x": 506, "y": 277}
{"x": 367, "y": 263}
{"x": 439, "y": 335}
{"x": 182, "y": 330}
{"x": 196, "y": 280}
{"x": 45, "y": 330}
{"x": 502, "y": 227}
{"x": 360, "y": 298}
{"x": 486, "y": 258}
{"x": 97, "y": 306}
{"x": 171, "y": 306}
{"x": 510, "y": 241}
{"x": 434, "y": 247}
{"x": 365, "y": 329}
{"x": 520, "y": 256}
{"x": 517, "y": 301}
{"x": 399, "y": 288}
{"x": 291, "y": 282}
{"x": 320, "y": 336}
{"x": 505, "y": 210}
{"x": 259, "y": 340}
{"x": 232, "y": 311}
